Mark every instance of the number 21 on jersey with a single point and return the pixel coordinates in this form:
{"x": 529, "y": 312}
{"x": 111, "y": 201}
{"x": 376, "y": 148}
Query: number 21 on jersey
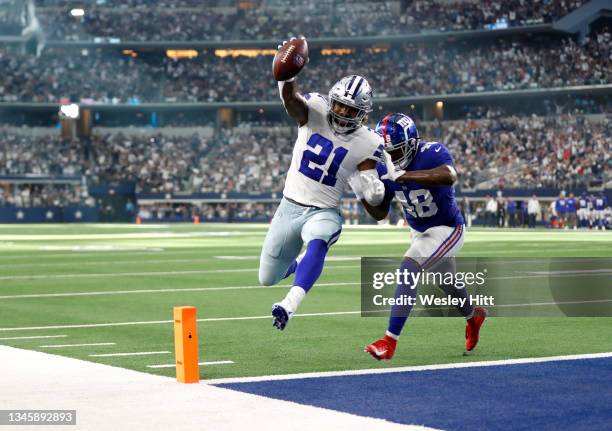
{"x": 418, "y": 203}
{"x": 326, "y": 148}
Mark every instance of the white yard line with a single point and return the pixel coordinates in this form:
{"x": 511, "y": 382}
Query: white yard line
{"x": 157, "y": 322}
{"x": 140, "y": 274}
{"x": 226, "y": 319}
{"x": 190, "y": 289}
{"x": 410, "y": 369}
{"x": 105, "y": 355}
{"x": 568, "y": 274}
{"x": 199, "y": 363}
{"x": 101, "y": 262}
{"x": 155, "y": 261}
{"x": 33, "y": 337}
{"x": 77, "y": 345}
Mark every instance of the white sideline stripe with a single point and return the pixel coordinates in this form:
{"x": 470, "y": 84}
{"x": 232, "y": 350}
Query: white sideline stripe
{"x": 133, "y": 274}
{"x": 77, "y": 345}
{"x": 157, "y": 322}
{"x": 199, "y": 363}
{"x": 33, "y": 337}
{"x": 190, "y": 289}
{"x": 104, "y": 355}
{"x": 409, "y": 369}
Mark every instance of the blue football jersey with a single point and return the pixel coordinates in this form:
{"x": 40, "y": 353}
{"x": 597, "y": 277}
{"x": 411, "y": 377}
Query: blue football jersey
{"x": 426, "y": 206}
{"x": 571, "y": 205}
{"x": 583, "y": 202}
{"x": 561, "y": 206}
{"x": 600, "y": 203}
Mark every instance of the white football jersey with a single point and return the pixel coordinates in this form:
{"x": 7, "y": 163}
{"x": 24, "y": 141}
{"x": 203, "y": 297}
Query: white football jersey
{"x": 322, "y": 160}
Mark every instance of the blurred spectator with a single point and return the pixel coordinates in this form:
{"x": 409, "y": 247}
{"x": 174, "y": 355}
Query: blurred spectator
{"x": 533, "y": 209}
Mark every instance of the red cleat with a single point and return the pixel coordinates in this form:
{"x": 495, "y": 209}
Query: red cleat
{"x": 383, "y": 348}
{"x": 472, "y": 328}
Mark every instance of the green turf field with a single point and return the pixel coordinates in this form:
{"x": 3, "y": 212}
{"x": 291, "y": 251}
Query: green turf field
{"x": 90, "y": 284}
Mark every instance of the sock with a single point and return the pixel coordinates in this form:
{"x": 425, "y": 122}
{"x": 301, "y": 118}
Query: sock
{"x": 293, "y": 299}
{"x": 399, "y": 313}
{"x": 307, "y": 271}
{"x": 310, "y": 267}
{"x": 467, "y": 310}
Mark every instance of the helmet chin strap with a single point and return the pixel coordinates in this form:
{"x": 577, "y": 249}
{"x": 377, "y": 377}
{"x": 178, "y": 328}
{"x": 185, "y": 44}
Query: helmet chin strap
{"x": 343, "y": 130}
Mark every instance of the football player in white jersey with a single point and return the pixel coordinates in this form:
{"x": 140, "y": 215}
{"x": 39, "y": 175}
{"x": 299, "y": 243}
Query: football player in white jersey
{"x": 332, "y": 145}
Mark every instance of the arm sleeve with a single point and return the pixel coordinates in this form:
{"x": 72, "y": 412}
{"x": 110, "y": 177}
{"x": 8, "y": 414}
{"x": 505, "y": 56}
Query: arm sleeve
{"x": 382, "y": 170}
{"x": 438, "y": 156}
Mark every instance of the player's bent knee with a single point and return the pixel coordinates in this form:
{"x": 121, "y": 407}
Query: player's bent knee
{"x": 267, "y": 278}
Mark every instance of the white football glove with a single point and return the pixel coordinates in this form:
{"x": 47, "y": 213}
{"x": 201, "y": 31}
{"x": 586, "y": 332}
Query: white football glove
{"x": 355, "y": 183}
{"x": 373, "y": 187}
{"x": 392, "y": 172}
{"x": 284, "y": 42}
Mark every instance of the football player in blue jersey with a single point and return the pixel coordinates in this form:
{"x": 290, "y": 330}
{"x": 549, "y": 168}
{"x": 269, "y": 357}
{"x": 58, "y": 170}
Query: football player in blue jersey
{"x": 420, "y": 175}
{"x": 584, "y": 205}
{"x": 599, "y": 207}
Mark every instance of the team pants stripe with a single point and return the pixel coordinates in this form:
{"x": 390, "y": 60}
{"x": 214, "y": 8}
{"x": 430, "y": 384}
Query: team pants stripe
{"x": 447, "y": 245}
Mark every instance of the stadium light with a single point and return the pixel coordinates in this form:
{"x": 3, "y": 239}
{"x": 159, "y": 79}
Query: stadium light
{"x": 179, "y": 53}
{"x": 70, "y": 111}
{"x": 337, "y": 51}
{"x": 77, "y": 12}
{"x": 244, "y": 52}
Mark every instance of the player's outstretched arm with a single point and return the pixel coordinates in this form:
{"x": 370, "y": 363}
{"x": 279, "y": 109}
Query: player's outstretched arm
{"x": 443, "y": 175}
{"x": 294, "y": 102}
{"x": 290, "y": 59}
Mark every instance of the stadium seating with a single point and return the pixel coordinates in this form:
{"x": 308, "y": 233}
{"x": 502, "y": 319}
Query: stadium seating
{"x": 110, "y": 77}
{"x": 138, "y": 20}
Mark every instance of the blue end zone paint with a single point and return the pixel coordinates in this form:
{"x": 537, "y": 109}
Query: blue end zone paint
{"x": 574, "y": 395}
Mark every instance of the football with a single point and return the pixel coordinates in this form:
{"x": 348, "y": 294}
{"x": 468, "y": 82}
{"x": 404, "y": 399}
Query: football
{"x": 290, "y": 59}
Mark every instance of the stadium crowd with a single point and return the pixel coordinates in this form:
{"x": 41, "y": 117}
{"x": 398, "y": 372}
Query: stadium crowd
{"x": 158, "y": 163}
{"x": 110, "y": 77}
{"x": 412, "y": 70}
{"x": 509, "y": 152}
{"x": 527, "y": 152}
{"x": 40, "y": 155}
{"x": 138, "y": 20}
{"x": 94, "y": 77}
{"x": 44, "y": 195}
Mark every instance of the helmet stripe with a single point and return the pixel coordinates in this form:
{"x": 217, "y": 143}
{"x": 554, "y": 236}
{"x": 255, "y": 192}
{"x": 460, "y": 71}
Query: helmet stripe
{"x": 348, "y": 87}
{"x": 357, "y": 87}
{"x": 384, "y": 127}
